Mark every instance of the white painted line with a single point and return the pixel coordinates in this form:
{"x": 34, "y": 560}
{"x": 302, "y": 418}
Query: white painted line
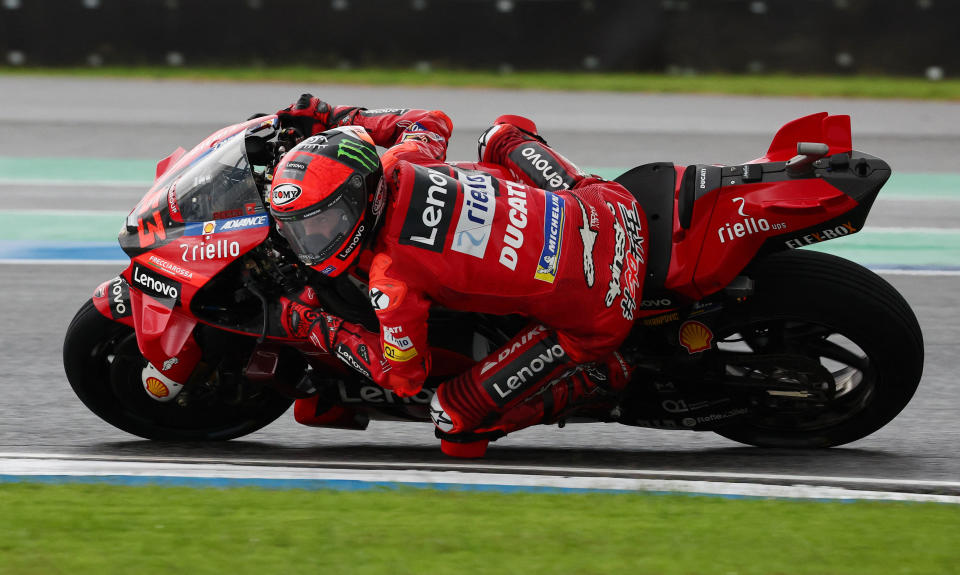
{"x": 488, "y": 468}
{"x": 25, "y": 467}
{"x": 918, "y": 272}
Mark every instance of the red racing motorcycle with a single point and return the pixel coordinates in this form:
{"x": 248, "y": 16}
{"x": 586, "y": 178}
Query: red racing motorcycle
{"x": 737, "y": 332}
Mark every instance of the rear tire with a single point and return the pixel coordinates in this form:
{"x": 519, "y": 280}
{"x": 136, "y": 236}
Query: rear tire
{"x": 103, "y": 365}
{"x": 851, "y": 320}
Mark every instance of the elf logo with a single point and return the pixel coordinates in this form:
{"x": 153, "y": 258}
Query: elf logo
{"x": 822, "y": 236}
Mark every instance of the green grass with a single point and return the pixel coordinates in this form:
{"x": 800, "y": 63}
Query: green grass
{"x": 762, "y": 85}
{"x": 104, "y": 529}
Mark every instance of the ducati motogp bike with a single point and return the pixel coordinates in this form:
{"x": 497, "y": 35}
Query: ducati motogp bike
{"x": 738, "y": 330}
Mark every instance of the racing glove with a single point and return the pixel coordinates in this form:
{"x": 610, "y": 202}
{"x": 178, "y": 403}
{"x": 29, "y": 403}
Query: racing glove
{"x": 309, "y": 115}
{"x": 301, "y": 318}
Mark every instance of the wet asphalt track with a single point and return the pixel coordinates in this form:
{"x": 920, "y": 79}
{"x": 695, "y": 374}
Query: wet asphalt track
{"x": 115, "y": 119}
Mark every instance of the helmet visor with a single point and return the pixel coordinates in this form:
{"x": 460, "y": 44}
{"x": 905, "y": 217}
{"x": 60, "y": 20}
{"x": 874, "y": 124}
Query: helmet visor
{"x": 320, "y": 232}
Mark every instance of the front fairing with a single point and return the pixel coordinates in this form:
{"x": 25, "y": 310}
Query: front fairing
{"x": 202, "y": 213}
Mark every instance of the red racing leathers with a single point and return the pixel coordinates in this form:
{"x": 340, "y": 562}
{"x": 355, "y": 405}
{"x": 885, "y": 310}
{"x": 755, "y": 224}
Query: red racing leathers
{"x": 523, "y": 232}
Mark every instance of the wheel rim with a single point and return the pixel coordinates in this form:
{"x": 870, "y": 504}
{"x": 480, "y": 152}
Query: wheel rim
{"x": 118, "y": 363}
{"x": 834, "y": 358}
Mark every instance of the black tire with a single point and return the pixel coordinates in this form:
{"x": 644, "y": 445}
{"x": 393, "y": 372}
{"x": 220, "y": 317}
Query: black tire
{"x": 824, "y": 307}
{"x": 103, "y": 364}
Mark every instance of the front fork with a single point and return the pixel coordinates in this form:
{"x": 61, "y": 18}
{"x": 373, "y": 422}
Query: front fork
{"x": 164, "y": 335}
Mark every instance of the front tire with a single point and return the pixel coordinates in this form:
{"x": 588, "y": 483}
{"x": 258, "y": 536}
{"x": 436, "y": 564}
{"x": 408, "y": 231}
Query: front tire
{"x": 824, "y": 309}
{"x": 103, "y": 365}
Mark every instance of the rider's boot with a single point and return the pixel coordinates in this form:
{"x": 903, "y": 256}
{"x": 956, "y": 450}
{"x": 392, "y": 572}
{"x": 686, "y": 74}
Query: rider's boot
{"x": 588, "y": 385}
{"x": 594, "y": 384}
{"x": 513, "y": 142}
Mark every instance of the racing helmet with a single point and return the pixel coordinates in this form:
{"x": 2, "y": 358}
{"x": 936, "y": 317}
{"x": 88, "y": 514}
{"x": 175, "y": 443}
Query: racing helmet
{"x": 327, "y": 196}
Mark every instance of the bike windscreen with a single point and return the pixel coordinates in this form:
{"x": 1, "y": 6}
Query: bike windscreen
{"x": 218, "y": 185}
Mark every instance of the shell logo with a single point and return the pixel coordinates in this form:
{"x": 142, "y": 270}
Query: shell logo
{"x": 208, "y": 227}
{"x": 695, "y": 336}
{"x": 156, "y": 387}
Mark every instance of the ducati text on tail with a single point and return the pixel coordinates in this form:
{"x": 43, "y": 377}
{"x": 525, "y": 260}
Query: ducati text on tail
{"x": 737, "y": 330}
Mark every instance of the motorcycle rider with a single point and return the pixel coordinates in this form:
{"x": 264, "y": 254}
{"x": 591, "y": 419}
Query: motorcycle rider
{"x": 522, "y": 232}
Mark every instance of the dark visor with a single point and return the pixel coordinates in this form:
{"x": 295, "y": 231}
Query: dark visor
{"x": 318, "y": 232}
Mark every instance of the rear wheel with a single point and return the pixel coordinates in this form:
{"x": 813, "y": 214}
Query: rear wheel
{"x": 103, "y": 365}
{"x": 831, "y": 328}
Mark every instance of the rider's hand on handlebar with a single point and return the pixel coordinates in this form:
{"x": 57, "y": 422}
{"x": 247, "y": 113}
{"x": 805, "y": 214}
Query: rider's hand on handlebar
{"x": 309, "y": 115}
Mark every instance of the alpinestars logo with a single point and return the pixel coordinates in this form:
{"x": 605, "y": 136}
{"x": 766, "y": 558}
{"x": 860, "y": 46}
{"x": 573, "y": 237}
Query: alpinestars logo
{"x": 588, "y": 236}
{"x": 358, "y": 152}
{"x": 439, "y": 415}
{"x": 379, "y": 300}
{"x": 627, "y": 260}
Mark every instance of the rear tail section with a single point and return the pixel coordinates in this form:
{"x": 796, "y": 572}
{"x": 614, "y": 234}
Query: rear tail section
{"x": 708, "y": 222}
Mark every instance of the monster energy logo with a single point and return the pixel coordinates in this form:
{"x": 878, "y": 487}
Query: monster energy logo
{"x": 358, "y": 152}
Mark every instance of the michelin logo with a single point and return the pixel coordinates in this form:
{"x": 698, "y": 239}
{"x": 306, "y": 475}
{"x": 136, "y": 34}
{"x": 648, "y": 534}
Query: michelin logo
{"x": 552, "y": 239}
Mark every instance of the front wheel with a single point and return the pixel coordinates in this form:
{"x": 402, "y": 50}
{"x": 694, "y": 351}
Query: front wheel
{"x": 825, "y": 324}
{"x": 103, "y": 365}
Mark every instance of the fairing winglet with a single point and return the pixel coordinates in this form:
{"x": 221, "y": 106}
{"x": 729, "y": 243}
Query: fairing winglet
{"x": 822, "y": 127}
{"x": 164, "y": 164}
